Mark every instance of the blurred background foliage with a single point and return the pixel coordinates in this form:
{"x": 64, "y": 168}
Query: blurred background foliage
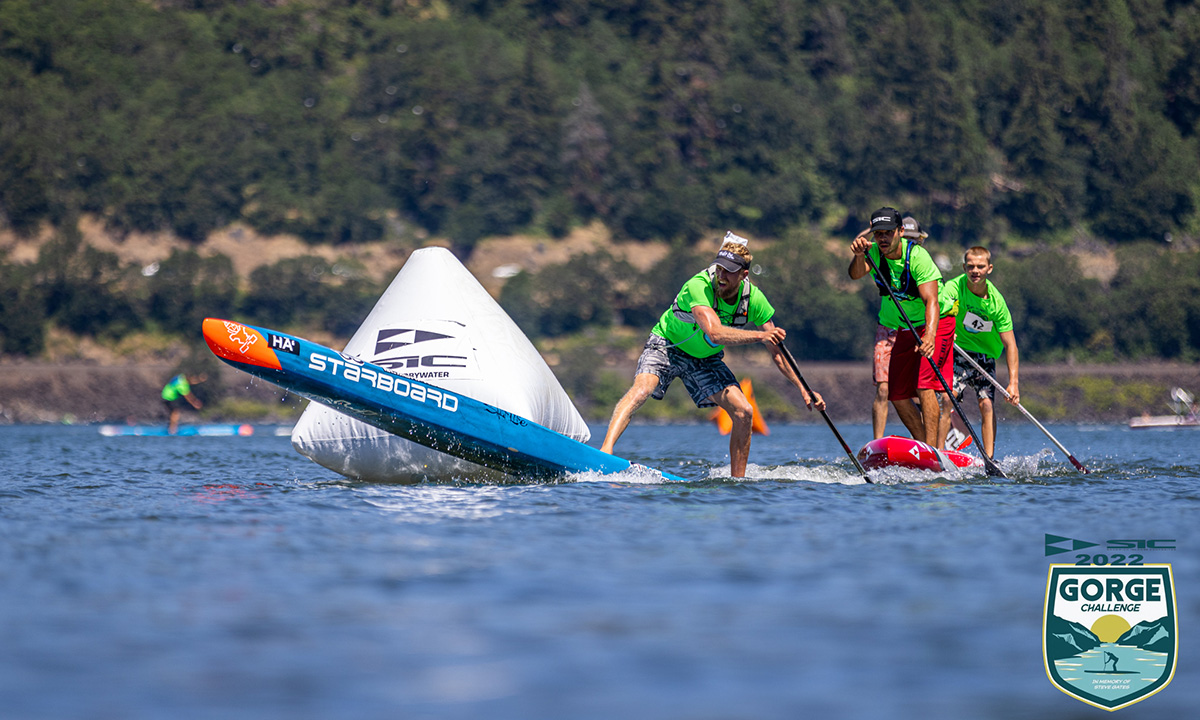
{"x": 1020, "y": 124}
{"x": 662, "y": 119}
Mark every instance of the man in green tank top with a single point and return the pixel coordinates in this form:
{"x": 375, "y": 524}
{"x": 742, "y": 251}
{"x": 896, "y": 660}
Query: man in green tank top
{"x": 885, "y": 334}
{"x": 178, "y": 390}
{"x": 910, "y": 273}
{"x": 689, "y": 342}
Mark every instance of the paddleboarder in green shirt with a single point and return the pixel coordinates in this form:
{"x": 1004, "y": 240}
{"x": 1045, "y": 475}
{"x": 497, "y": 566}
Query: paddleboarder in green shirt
{"x": 885, "y": 337}
{"x": 916, "y": 283}
{"x": 984, "y": 330}
{"x": 689, "y": 342}
{"x": 178, "y": 390}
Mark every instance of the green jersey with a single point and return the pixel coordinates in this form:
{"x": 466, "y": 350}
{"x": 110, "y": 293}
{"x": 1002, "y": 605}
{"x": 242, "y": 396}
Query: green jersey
{"x": 980, "y": 319}
{"x": 678, "y": 327}
{"x": 921, "y": 269}
{"x": 176, "y": 388}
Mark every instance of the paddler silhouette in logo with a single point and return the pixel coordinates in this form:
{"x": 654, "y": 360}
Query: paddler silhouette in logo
{"x": 1107, "y": 657}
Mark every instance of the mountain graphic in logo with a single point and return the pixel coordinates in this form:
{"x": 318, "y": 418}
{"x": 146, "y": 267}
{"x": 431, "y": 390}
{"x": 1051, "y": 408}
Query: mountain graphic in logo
{"x": 1155, "y": 636}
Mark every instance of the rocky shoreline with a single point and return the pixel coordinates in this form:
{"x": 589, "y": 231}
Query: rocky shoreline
{"x": 86, "y": 394}
{"x": 90, "y": 393}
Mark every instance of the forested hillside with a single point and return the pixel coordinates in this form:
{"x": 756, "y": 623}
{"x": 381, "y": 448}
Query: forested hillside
{"x": 1029, "y": 126}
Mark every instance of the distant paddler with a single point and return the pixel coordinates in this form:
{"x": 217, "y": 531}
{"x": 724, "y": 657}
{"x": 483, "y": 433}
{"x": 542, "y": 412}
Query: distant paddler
{"x": 177, "y": 391}
{"x": 711, "y": 310}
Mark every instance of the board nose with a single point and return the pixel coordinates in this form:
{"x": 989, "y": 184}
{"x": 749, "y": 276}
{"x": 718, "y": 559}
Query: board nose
{"x": 237, "y": 343}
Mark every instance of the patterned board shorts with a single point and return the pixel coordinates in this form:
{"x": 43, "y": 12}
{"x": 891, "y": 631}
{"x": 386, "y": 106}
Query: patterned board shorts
{"x": 703, "y": 377}
{"x": 966, "y": 376}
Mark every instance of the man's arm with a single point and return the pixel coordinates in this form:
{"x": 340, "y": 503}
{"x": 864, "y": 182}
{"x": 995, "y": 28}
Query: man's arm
{"x": 710, "y": 323}
{"x": 858, "y": 265}
{"x": 1013, "y": 359}
{"x": 929, "y": 293}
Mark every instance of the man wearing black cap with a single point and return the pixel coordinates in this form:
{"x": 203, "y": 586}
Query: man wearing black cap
{"x": 710, "y": 312}
{"x": 885, "y": 336}
{"x": 910, "y": 272}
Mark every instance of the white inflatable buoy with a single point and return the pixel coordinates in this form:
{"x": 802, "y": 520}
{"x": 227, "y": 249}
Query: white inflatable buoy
{"x": 436, "y": 323}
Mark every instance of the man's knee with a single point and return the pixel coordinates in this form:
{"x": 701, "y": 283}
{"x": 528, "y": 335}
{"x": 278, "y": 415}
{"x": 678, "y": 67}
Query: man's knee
{"x": 643, "y": 386}
{"x": 743, "y": 413}
{"x": 736, "y": 404}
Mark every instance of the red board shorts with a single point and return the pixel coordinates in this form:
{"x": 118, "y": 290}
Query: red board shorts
{"x": 885, "y": 338}
{"x": 909, "y": 371}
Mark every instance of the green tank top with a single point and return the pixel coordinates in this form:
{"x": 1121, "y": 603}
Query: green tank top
{"x": 921, "y": 269}
{"x": 678, "y": 327}
{"x": 176, "y": 388}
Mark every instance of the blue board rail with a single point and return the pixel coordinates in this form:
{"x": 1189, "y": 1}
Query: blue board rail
{"x": 448, "y": 422}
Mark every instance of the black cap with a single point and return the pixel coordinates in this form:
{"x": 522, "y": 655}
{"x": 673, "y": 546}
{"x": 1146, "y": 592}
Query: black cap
{"x": 731, "y": 261}
{"x": 885, "y": 218}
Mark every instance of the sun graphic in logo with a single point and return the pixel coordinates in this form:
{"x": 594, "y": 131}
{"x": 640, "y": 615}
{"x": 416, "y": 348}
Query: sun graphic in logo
{"x": 1110, "y": 627}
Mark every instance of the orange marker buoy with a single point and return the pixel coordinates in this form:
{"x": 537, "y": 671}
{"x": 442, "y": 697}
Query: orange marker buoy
{"x": 724, "y": 423}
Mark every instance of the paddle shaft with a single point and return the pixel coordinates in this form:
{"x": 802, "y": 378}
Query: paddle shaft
{"x": 787, "y": 354}
{"x": 966, "y": 356}
{"x": 992, "y": 467}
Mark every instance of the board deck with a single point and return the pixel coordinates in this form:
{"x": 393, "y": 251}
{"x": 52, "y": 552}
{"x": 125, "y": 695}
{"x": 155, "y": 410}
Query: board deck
{"x": 895, "y": 451}
{"x": 448, "y": 422}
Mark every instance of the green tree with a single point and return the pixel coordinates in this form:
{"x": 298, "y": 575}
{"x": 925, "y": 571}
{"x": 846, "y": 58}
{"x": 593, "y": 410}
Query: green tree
{"x": 1052, "y": 304}
{"x": 1154, "y": 310}
{"x": 186, "y": 288}
{"x": 587, "y": 290}
{"x": 286, "y": 292}
{"x": 22, "y": 311}
{"x": 84, "y": 289}
{"x": 826, "y": 315}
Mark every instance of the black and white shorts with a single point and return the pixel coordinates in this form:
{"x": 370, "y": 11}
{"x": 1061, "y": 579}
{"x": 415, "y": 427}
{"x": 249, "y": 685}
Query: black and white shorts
{"x": 966, "y": 376}
{"x": 703, "y": 377}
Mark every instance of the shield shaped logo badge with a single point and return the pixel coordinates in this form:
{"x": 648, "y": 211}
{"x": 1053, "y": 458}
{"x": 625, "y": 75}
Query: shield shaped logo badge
{"x": 1110, "y": 634}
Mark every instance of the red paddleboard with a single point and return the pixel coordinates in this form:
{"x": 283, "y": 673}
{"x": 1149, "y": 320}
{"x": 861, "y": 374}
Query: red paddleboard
{"x": 893, "y": 451}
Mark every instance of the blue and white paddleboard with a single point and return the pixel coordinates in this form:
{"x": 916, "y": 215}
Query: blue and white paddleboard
{"x": 182, "y": 431}
{"x": 448, "y": 422}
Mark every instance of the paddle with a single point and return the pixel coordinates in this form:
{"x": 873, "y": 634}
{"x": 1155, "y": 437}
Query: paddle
{"x": 796, "y": 369}
{"x": 1078, "y": 465}
{"x": 988, "y": 463}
